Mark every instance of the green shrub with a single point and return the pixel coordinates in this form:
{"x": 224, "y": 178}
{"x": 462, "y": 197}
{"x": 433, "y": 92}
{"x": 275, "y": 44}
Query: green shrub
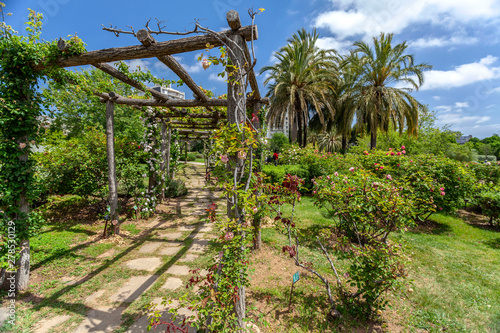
{"x": 79, "y": 166}
{"x": 489, "y": 202}
{"x": 175, "y": 188}
{"x": 276, "y": 173}
{"x": 199, "y": 156}
{"x": 279, "y": 142}
{"x": 489, "y": 158}
{"x": 191, "y": 157}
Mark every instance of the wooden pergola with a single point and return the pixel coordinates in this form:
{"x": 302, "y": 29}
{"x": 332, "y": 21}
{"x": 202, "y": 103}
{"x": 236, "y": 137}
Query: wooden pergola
{"x": 173, "y": 112}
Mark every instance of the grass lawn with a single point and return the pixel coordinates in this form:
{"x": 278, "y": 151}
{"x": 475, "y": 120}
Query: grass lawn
{"x": 453, "y": 283}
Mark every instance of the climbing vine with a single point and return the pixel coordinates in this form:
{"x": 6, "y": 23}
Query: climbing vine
{"x": 21, "y": 106}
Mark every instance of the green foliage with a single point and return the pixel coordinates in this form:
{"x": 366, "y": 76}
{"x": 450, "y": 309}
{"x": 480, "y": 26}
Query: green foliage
{"x": 366, "y": 209}
{"x": 279, "y": 142}
{"x": 277, "y": 172}
{"x": 20, "y": 106}
{"x": 175, "y": 188}
{"x": 79, "y": 166}
{"x": 190, "y": 157}
{"x": 489, "y": 202}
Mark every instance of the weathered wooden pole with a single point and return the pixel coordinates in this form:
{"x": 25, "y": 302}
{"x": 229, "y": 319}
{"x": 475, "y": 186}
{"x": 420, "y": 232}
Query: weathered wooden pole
{"x": 23, "y": 263}
{"x": 257, "y": 221}
{"x": 167, "y": 157}
{"x": 236, "y": 110}
{"x": 163, "y": 157}
{"x": 110, "y": 151}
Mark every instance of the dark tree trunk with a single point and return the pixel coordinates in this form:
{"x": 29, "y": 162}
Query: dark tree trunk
{"x": 344, "y": 143}
{"x": 373, "y": 139}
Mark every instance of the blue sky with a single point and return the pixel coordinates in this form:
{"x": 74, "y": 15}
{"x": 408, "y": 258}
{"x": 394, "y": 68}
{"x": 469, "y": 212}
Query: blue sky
{"x": 459, "y": 38}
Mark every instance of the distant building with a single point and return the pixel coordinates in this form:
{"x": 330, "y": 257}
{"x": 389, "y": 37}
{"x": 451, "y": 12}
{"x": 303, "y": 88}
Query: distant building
{"x": 171, "y": 93}
{"x": 463, "y": 139}
{"x": 285, "y": 129}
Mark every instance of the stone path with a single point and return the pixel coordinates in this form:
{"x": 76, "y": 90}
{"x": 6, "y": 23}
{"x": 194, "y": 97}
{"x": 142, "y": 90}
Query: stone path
{"x": 172, "y": 246}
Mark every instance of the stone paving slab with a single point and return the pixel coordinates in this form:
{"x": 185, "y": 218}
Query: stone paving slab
{"x": 101, "y": 320}
{"x": 133, "y": 288}
{"x": 187, "y": 228}
{"x": 171, "y": 236}
{"x": 144, "y": 264}
{"x": 198, "y": 246}
{"x": 205, "y": 228}
{"x": 178, "y": 270}
{"x": 108, "y": 253}
{"x": 170, "y": 250}
{"x": 188, "y": 257}
{"x": 45, "y": 325}
{"x": 173, "y": 243}
{"x": 92, "y": 297}
{"x": 4, "y": 315}
{"x": 172, "y": 283}
{"x": 149, "y": 247}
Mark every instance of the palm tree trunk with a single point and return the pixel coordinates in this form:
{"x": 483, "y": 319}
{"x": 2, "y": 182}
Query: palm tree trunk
{"x": 344, "y": 143}
{"x": 373, "y": 140}
{"x": 305, "y": 131}
{"x": 299, "y": 128}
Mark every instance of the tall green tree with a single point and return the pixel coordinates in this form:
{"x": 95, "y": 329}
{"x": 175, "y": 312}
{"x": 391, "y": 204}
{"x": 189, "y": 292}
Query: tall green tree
{"x": 385, "y": 75}
{"x": 298, "y": 81}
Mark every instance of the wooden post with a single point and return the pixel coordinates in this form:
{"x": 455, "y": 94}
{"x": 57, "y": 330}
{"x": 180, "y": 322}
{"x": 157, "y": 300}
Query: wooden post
{"x": 257, "y": 221}
{"x": 169, "y": 138}
{"x": 110, "y": 150}
{"x": 236, "y": 110}
{"x": 23, "y": 263}
{"x": 163, "y": 157}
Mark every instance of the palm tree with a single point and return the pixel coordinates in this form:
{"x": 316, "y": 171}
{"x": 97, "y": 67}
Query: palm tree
{"x": 299, "y": 79}
{"x": 329, "y": 141}
{"x": 377, "y": 90}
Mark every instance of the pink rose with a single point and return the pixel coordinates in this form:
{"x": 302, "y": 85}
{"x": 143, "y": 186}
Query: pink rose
{"x": 441, "y": 189}
{"x": 336, "y": 173}
{"x": 442, "y": 193}
{"x": 22, "y": 145}
{"x": 390, "y": 149}
{"x": 224, "y": 158}
{"x": 392, "y": 153}
{"x": 255, "y": 210}
{"x": 351, "y": 169}
{"x": 228, "y": 236}
{"x": 403, "y": 147}
{"x": 328, "y": 177}
{"x": 399, "y": 153}
{"x": 404, "y": 151}
{"x": 205, "y": 63}
{"x": 242, "y": 155}
{"x": 388, "y": 177}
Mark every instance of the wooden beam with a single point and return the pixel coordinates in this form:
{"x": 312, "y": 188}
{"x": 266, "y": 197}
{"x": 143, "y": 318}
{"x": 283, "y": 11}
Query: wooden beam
{"x": 147, "y": 40}
{"x": 170, "y": 103}
{"x": 252, "y": 79}
{"x": 188, "y": 131}
{"x": 131, "y": 82}
{"x": 189, "y": 115}
{"x": 170, "y": 47}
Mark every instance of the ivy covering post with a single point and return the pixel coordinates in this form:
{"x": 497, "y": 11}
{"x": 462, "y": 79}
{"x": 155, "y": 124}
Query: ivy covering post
{"x": 110, "y": 150}
{"x": 236, "y": 112}
{"x": 163, "y": 156}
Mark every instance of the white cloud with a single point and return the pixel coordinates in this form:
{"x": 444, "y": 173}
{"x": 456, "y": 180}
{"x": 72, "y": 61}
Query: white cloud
{"x": 436, "y": 98}
{"x": 459, "y": 119}
{"x": 461, "y": 104}
{"x": 440, "y": 42}
{"x": 368, "y": 17}
{"x": 328, "y": 43}
{"x": 462, "y": 75}
{"x": 444, "y": 108}
{"x": 137, "y": 63}
{"x": 214, "y": 77}
{"x": 494, "y": 90}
